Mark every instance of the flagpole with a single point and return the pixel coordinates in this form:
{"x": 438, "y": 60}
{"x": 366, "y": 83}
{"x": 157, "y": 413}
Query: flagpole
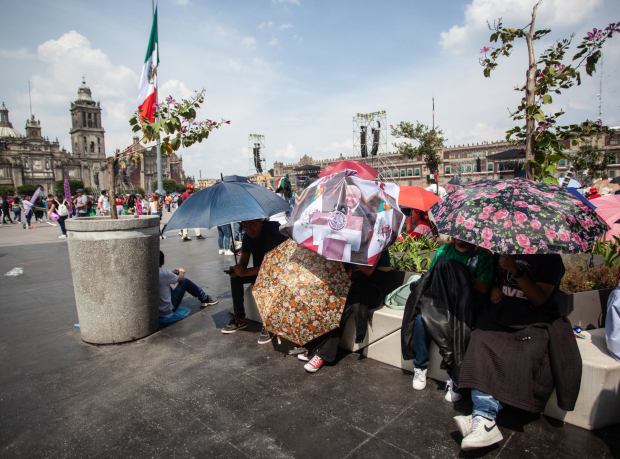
{"x": 160, "y": 181}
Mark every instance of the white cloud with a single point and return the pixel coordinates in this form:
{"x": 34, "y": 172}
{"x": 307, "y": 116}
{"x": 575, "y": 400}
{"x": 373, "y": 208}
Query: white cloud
{"x": 549, "y": 14}
{"x": 274, "y": 41}
{"x": 289, "y": 152}
{"x": 266, "y": 25}
{"x": 181, "y": 2}
{"x": 285, "y": 26}
{"x": 18, "y": 54}
{"x": 175, "y": 88}
{"x": 297, "y": 37}
{"x": 295, "y": 2}
{"x": 344, "y": 147}
{"x": 249, "y": 42}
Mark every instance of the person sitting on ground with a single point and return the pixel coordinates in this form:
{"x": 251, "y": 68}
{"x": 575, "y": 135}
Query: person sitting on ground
{"x": 418, "y": 224}
{"x": 369, "y": 285}
{"x": 170, "y": 299}
{"x": 520, "y": 350}
{"x": 260, "y": 237}
{"x": 480, "y": 265}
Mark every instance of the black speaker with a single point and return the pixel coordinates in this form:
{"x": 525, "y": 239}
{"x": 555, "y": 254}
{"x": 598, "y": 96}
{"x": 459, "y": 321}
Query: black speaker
{"x": 375, "y": 142}
{"x": 478, "y": 165}
{"x": 257, "y": 163}
{"x": 363, "y": 142}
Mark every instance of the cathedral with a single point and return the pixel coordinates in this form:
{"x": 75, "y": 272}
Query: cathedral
{"x": 34, "y": 159}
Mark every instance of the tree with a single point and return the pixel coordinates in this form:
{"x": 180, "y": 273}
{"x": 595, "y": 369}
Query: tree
{"x": 181, "y": 187}
{"x": 170, "y": 186}
{"x": 541, "y": 134}
{"x": 141, "y": 190}
{"x": 26, "y": 189}
{"x": 74, "y": 185}
{"x": 590, "y": 160}
{"x": 175, "y": 127}
{"x": 430, "y": 142}
{"x": 7, "y": 191}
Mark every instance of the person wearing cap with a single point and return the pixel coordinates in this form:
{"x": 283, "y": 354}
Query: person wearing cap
{"x": 593, "y": 194}
{"x": 185, "y": 196}
{"x": 81, "y": 204}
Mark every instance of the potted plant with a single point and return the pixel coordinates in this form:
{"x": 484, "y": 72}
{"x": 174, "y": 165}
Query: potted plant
{"x": 586, "y": 287}
{"x": 115, "y": 261}
{"x": 413, "y": 255}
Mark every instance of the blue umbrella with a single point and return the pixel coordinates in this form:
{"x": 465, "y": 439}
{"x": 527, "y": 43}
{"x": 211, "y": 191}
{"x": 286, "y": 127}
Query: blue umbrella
{"x": 583, "y": 199}
{"x": 224, "y": 203}
{"x": 236, "y": 178}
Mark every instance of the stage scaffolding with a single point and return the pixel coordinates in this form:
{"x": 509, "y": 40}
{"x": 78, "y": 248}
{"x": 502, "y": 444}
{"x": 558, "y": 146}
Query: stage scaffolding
{"x": 258, "y": 161}
{"x": 370, "y": 142}
{"x": 468, "y": 166}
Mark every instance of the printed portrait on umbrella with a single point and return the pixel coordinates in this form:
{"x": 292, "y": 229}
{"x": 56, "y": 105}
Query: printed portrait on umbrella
{"x": 344, "y": 218}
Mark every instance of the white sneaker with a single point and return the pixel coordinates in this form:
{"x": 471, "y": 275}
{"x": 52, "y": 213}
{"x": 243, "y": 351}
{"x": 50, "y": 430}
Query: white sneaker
{"x": 222, "y": 251}
{"x": 64, "y": 236}
{"x": 484, "y": 432}
{"x": 419, "y": 378}
{"x": 464, "y": 424}
{"x": 228, "y": 252}
{"x": 303, "y": 357}
{"x": 451, "y": 396}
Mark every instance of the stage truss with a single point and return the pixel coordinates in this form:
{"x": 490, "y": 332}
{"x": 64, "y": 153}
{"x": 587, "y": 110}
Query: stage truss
{"x": 467, "y": 166}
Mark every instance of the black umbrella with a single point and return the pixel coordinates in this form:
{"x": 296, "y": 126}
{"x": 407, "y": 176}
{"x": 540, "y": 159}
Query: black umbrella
{"x": 456, "y": 181}
{"x": 616, "y": 180}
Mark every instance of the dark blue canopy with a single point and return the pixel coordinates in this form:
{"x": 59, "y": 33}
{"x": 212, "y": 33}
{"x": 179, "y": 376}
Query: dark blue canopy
{"x": 224, "y": 203}
{"x": 236, "y": 178}
{"x": 583, "y": 199}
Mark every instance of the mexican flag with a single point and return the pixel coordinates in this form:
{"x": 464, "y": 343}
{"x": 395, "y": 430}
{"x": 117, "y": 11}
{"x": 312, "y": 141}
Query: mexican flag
{"x": 148, "y": 80}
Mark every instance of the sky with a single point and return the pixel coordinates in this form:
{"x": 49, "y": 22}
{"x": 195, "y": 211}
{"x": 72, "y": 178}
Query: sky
{"x": 296, "y": 71}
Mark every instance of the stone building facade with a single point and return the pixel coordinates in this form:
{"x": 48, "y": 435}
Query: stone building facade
{"x": 34, "y": 159}
{"x": 487, "y": 160}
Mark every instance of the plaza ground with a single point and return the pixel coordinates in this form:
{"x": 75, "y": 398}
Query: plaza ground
{"x": 189, "y": 391}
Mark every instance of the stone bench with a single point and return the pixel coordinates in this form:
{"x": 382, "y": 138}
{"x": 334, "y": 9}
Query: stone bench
{"x": 251, "y": 310}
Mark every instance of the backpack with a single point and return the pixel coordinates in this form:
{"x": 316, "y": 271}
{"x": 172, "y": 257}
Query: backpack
{"x": 398, "y": 298}
{"x": 62, "y": 209}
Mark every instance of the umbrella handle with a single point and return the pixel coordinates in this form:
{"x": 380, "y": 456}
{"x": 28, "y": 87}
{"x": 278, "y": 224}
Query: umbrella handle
{"x": 232, "y": 242}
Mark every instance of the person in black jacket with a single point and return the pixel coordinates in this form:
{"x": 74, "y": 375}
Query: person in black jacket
{"x": 520, "y": 349}
{"x": 260, "y": 237}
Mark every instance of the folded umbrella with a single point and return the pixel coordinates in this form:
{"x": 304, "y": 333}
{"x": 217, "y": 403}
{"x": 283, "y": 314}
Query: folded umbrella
{"x": 363, "y": 170}
{"x": 224, "y": 203}
{"x": 300, "y": 295}
{"x": 519, "y": 216}
{"x": 416, "y": 198}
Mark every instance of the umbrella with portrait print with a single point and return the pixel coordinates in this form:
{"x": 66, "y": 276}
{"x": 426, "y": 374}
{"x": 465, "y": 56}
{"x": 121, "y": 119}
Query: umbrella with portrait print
{"x": 519, "y": 216}
{"x": 300, "y": 295}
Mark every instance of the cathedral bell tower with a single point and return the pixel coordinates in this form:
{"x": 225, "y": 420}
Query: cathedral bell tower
{"x": 87, "y": 134}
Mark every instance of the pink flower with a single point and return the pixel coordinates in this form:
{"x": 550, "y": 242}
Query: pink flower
{"x": 522, "y": 204}
{"x": 487, "y": 234}
{"x": 483, "y": 216}
{"x": 488, "y": 209}
{"x": 564, "y": 235}
{"x": 502, "y": 213}
{"x": 584, "y": 246}
{"x": 501, "y": 186}
{"x": 460, "y": 219}
{"x": 550, "y": 234}
{"x": 554, "y": 204}
{"x": 520, "y": 218}
{"x": 523, "y": 240}
{"x": 507, "y": 223}
{"x": 469, "y": 223}
{"x": 441, "y": 211}
{"x": 493, "y": 195}
{"x": 535, "y": 224}
{"x": 450, "y": 215}
{"x": 486, "y": 49}
{"x": 534, "y": 207}
{"x": 577, "y": 238}
{"x": 486, "y": 245}
{"x": 529, "y": 251}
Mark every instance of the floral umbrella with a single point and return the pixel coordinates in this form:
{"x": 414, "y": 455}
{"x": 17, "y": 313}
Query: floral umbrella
{"x": 300, "y": 295}
{"x": 519, "y": 216}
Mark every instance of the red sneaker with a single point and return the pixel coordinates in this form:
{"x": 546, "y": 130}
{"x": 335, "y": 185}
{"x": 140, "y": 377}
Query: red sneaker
{"x": 314, "y": 365}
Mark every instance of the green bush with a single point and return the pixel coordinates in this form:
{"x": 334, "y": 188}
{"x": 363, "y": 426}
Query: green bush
{"x": 74, "y": 185}
{"x": 27, "y": 189}
{"x": 7, "y": 191}
{"x": 413, "y": 255}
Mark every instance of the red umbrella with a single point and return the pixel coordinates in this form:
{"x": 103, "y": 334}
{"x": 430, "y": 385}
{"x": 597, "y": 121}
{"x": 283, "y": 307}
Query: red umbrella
{"x": 416, "y": 198}
{"x": 364, "y": 171}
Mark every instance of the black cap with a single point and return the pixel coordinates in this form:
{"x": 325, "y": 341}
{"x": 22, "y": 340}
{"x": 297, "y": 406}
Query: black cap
{"x": 80, "y": 190}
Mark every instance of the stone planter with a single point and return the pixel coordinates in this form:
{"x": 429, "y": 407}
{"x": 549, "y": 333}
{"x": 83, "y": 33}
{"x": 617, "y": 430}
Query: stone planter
{"x": 115, "y": 265}
{"x": 589, "y": 308}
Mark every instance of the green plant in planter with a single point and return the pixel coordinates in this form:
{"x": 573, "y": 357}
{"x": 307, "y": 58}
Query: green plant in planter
{"x": 175, "y": 126}
{"x": 413, "y": 255}
{"x": 609, "y": 249}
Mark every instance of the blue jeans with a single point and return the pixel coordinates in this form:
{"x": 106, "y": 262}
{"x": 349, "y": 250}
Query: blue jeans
{"x": 17, "y": 215}
{"x": 61, "y": 222}
{"x": 421, "y": 344}
{"x": 485, "y": 405}
{"x": 186, "y": 286}
{"x": 223, "y": 237}
{"x": 238, "y": 227}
